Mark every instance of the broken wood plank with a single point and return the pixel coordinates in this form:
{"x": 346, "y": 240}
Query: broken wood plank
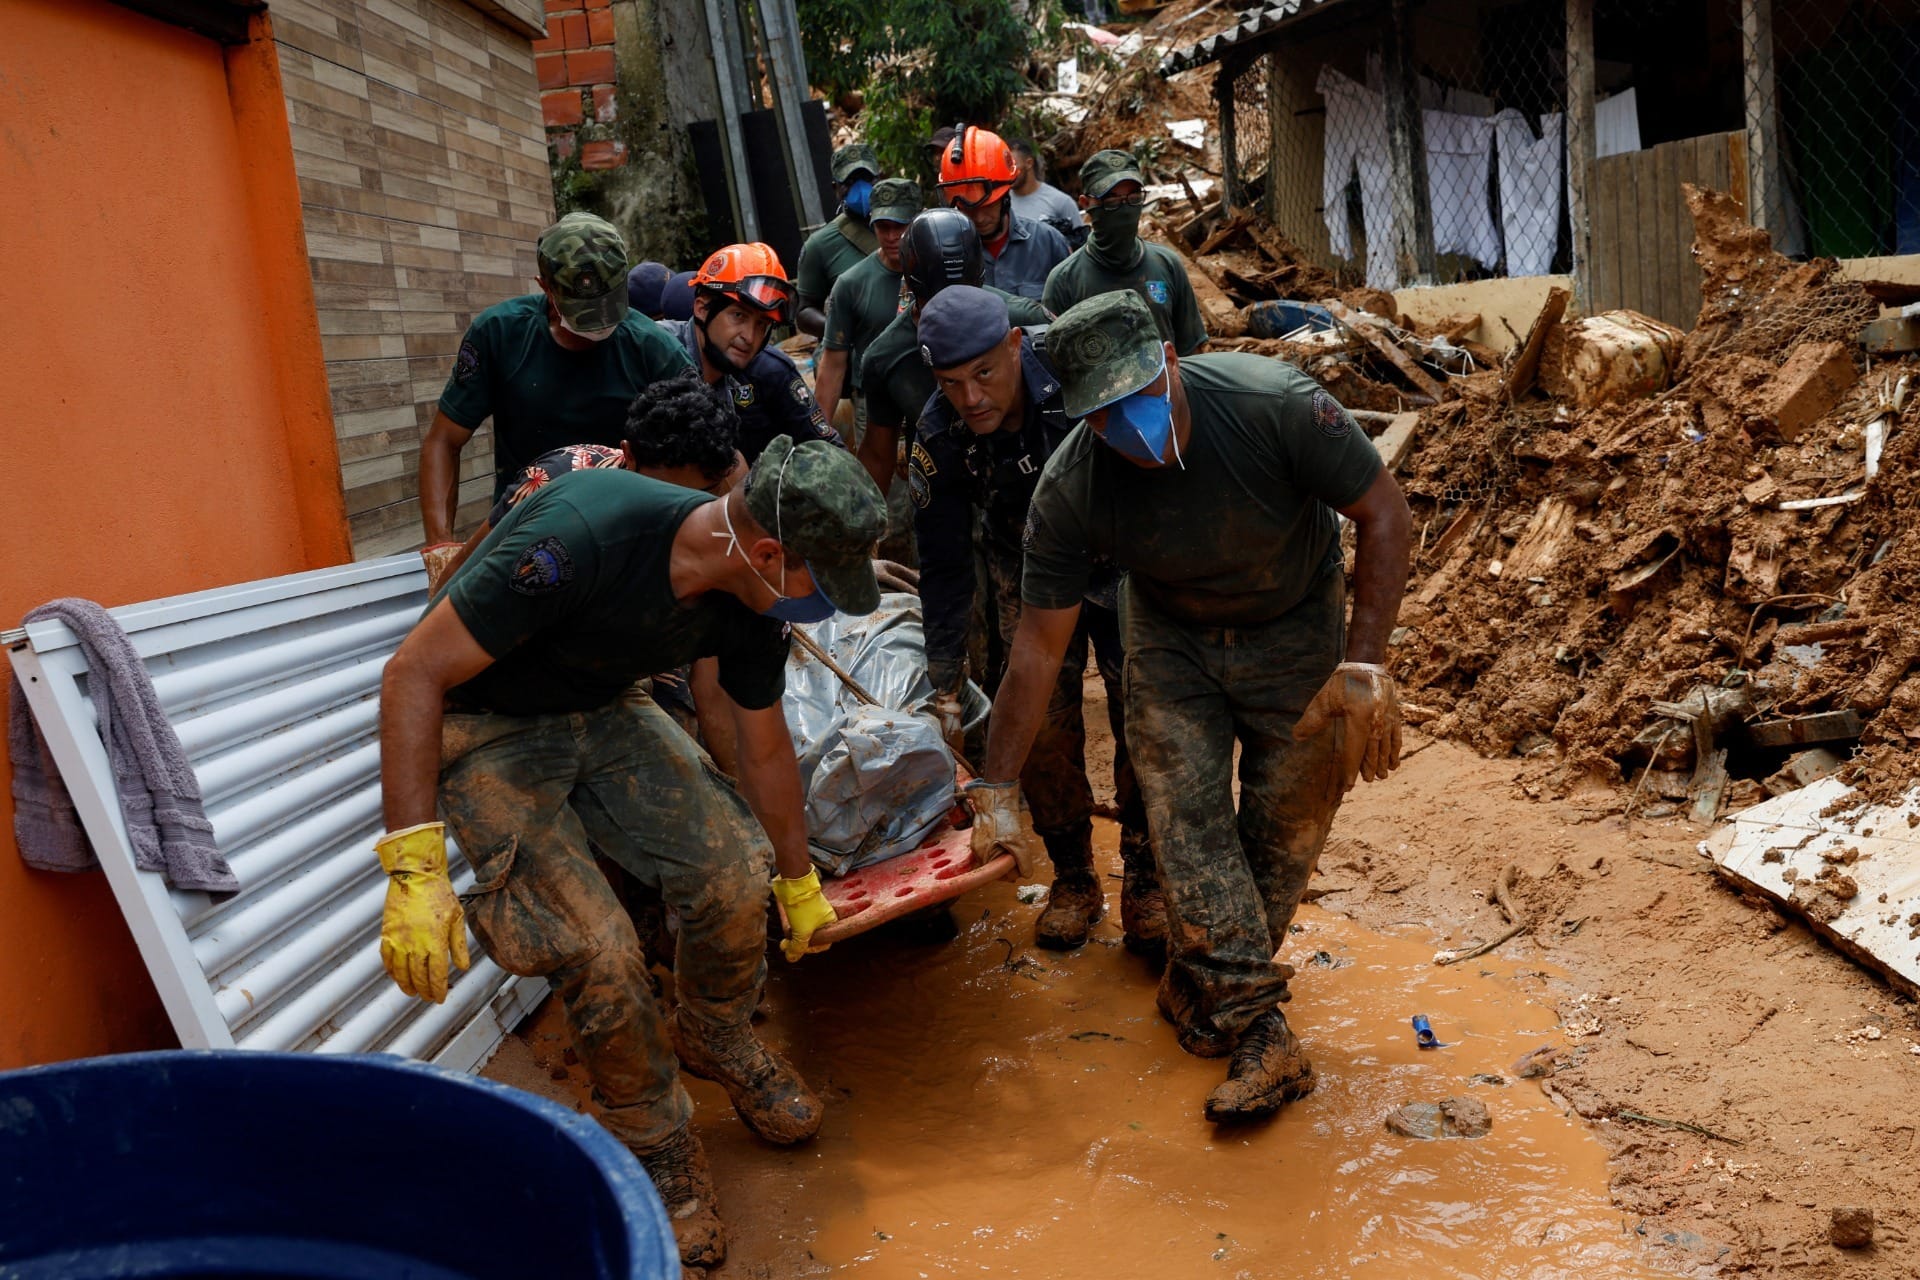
{"x": 1396, "y": 442}
{"x": 1454, "y": 328}
{"x": 1709, "y": 786}
{"x": 1822, "y": 632}
{"x": 1547, "y": 534}
{"x": 1892, "y": 336}
{"x": 1877, "y": 689}
{"x": 1821, "y": 726}
{"x": 1223, "y": 233}
{"x": 1444, "y": 576}
{"x": 1382, "y": 342}
{"x": 1526, "y": 366}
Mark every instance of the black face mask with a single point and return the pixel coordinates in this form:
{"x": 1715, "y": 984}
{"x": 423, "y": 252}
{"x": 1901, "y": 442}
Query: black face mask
{"x": 1115, "y": 242}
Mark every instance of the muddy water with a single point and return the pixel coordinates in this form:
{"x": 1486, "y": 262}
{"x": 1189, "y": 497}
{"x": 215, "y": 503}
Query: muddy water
{"x": 997, "y": 1110}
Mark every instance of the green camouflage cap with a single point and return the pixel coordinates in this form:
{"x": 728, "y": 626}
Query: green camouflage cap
{"x": 821, "y": 505}
{"x": 1104, "y": 348}
{"x": 853, "y": 158}
{"x": 895, "y": 200}
{"x": 584, "y": 258}
{"x": 1105, "y": 170}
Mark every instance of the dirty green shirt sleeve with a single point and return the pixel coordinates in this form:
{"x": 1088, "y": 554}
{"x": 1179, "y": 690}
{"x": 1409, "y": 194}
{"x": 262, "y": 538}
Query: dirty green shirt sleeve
{"x": 1055, "y": 290}
{"x": 531, "y": 573}
{"x": 1057, "y": 566}
{"x": 843, "y": 310}
{"x": 811, "y": 280}
{"x": 468, "y": 397}
{"x": 753, "y": 663}
{"x": 1330, "y": 456}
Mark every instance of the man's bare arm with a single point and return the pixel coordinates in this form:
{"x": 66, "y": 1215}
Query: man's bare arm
{"x": 1384, "y": 530}
{"x": 813, "y": 316}
{"x": 437, "y": 654}
{"x": 830, "y": 380}
{"x": 715, "y": 712}
{"x": 770, "y": 780}
{"x": 1033, "y": 668}
{"x": 879, "y": 452}
{"x": 440, "y": 476}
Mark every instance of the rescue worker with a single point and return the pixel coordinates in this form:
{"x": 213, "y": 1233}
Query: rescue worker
{"x": 1213, "y": 481}
{"x": 865, "y": 299}
{"x": 511, "y": 705}
{"x": 645, "y": 283}
{"x": 551, "y": 369}
{"x": 739, "y": 294}
{"x": 980, "y": 444}
{"x": 1115, "y": 257}
{"x": 847, "y": 237}
{"x": 939, "y": 249}
{"x": 1040, "y": 201}
{"x": 977, "y": 177}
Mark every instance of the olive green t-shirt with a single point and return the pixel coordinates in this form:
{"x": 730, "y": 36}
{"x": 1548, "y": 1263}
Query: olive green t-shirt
{"x": 863, "y": 302}
{"x": 894, "y": 376}
{"x": 570, "y": 596}
{"x": 542, "y": 396}
{"x": 1234, "y": 537}
{"x": 1159, "y": 277}
{"x": 831, "y": 252}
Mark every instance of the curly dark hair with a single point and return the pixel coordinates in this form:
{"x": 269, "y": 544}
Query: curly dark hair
{"x": 683, "y": 422}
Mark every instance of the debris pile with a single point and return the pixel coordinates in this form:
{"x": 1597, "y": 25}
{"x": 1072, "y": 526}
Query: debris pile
{"x": 1683, "y": 561}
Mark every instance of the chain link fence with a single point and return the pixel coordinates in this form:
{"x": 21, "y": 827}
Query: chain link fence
{"x": 1246, "y": 146}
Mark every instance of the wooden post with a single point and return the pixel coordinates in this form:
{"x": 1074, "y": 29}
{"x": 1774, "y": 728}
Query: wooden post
{"x": 1407, "y": 150}
{"x": 1763, "y": 138}
{"x": 787, "y": 67}
{"x": 1580, "y": 143}
{"x": 729, "y": 66}
{"x": 1230, "y": 196}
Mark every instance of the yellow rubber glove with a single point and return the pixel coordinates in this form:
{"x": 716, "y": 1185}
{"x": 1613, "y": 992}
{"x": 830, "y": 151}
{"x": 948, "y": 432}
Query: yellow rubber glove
{"x": 423, "y": 921}
{"x": 1362, "y": 695}
{"x": 807, "y": 910}
{"x": 997, "y": 828}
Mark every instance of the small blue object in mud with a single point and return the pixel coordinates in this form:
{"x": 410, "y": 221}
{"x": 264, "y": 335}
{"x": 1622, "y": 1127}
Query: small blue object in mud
{"x": 1423, "y": 1033}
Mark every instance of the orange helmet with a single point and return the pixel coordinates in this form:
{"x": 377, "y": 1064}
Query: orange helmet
{"x": 749, "y": 274}
{"x": 976, "y": 168}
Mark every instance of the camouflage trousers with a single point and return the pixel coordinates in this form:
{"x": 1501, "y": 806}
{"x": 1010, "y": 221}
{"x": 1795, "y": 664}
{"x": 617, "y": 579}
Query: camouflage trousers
{"x": 524, "y": 796}
{"x": 1054, "y": 779}
{"x": 1232, "y": 880}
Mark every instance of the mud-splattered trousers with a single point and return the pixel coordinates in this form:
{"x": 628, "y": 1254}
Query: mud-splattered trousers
{"x": 524, "y": 795}
{"x": 1054, "y": 779}
{"x": 1232, "y": 881}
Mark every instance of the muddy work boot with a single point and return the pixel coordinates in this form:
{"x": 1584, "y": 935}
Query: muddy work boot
{"x": 1143, "y": 904}
{"x": 1268, "y": 1069}
{"x": 1194, "y": 1030}
{"x": 767, "y": 1093}
{"x": 678, "y": 1167}
{"x": 1075, "y": 903}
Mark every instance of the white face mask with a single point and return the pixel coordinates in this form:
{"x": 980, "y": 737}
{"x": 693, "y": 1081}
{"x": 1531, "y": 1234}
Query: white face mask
{"x": 591, "y": 335}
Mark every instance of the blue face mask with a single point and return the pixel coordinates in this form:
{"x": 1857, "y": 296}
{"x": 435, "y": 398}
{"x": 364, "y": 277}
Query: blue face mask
{"x": 808, "y": 608}
{"x": 859, "y": 197}
{"x": 1139, "y": 427}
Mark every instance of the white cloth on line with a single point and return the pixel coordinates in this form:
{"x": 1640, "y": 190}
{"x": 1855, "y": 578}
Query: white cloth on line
{"x": 1616, "y": 124}
{"x": 1356, "y": 143}
{"x": 1459, "y": 175}
{"x": 1530, "y": 187}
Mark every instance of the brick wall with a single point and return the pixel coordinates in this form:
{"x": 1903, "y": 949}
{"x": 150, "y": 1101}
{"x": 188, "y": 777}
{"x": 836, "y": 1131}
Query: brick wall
{"x": 422, "y": 160}
{"x": 575, "y": 64}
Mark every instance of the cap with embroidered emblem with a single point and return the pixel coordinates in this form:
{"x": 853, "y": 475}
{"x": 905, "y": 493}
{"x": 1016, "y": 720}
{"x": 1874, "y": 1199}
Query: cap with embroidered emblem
{"x": 855, "y": 157}
{"x": 819, "y": 502}
{"x": 1103, "y": 349}
{"x": 895, "y": 200}
{"x": 961, "y": 322}
{"x": 584, "y": 259}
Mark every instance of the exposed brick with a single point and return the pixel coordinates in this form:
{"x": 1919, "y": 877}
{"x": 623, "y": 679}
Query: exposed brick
{"x": 600, "y": 26}
{"x": 552, "y": 69}
{"x": 549, "y": 44}
{"x": 603, "y": 109}
{"x": 599, "y": 4}
{"x": 573, "y": 31}
{"x": 1809, "y": 383}
{"x": 590, "y": 66}
{"x": 562, "y": 144}
{"x": 561, "y": 108}
{"x": 603, "y": 155}
{"x": 562, "y": 6}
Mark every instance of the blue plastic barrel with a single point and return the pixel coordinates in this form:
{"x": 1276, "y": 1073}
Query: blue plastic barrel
{"x": 298, "y": 1165}
{"x": 1277, "y": 319}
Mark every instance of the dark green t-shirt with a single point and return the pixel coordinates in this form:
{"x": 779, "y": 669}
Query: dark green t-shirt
{"x": 894, "y": 376}
{"x": 1158, "y": 277}
{"x": 863, "y": 302}
{"x": 542, "y": 396}
{"x": 830, "y": 253}
{"x": 1239, "y": 535}
{"x": 570, "y": 596}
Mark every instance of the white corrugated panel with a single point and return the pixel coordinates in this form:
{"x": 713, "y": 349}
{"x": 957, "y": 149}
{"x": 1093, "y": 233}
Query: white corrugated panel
{"x": 274, "y": 689}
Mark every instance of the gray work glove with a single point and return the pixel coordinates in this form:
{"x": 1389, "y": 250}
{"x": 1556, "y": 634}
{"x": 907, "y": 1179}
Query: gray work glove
{"x": 948, "y": 710}
{"x": 997, "y": 828}
{"x": 896, "y": 577}
{"x": 1362, "y": 695}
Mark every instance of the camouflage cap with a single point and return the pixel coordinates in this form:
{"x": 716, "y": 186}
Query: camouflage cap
{"x": 1103, "y": 349}
{"x": 855, "y": 157}
{"x": 584, "y": 258}
{"x": 819, "y": 502}
{"x": 1105, "y": 170}
{"x": 895, "y": 200}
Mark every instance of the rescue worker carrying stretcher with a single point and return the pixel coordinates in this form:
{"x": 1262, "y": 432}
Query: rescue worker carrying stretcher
{"x": 1213, "y": 481}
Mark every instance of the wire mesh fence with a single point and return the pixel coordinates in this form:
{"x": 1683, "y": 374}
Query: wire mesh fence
{"x": 1246, "y": 147}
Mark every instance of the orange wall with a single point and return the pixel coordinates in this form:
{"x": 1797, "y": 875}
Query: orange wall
{"x": 163, "y": 403}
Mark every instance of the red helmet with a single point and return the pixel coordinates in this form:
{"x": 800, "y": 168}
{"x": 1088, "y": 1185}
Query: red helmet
{"x": 749, "y": 274}
{"x": 976, "y": 168}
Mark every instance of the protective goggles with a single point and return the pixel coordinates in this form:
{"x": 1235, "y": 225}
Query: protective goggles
{"x": 769, "y": 293}
{"x": 972, "y": 193}
{"x": 1133, "y": 201}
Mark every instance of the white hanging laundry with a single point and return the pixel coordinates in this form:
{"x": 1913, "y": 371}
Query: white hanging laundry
{"x": 1616, "y": 124}
{"x": 1357, "y": 144}
{"x": 1530, "y": 187}
{"x": 1459, "y": 174}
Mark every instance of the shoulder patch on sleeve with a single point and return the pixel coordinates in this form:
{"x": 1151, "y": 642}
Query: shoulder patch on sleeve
{"x": 542, "y": 568}
{"x": 1157, "y": 291}
{"x": 798, "y": 390}
{"x": 920, "y": 469}
{"x": 1033, "y": 528}
{"x": 467, "y": 363}
{"x": 1329, "y": 416}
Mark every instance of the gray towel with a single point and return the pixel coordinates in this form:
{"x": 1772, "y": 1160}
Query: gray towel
{"x": 159, "y": 796}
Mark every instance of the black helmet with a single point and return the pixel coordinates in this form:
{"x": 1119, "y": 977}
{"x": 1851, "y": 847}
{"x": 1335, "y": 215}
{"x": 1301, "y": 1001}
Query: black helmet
{"x": 940, "y": 248}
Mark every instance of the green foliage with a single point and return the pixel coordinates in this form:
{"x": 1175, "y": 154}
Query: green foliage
{"x": 842, "y": 40}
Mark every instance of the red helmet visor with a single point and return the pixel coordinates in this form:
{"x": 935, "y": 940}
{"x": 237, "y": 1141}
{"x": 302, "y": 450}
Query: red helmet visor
{"x": 769, "y": 293}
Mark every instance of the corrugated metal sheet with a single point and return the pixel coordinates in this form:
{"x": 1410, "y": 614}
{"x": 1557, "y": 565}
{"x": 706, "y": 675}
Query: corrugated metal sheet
{"x": 1249, "y": 31}
{"x": 273, "y": 688}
